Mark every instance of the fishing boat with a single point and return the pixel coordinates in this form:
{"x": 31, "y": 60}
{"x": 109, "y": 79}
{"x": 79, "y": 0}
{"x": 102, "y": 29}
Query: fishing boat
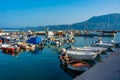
{"x": 50, "y": 34}
{"x": 115, "y": 43}
{"x": 26, "y": 46}
{"x": 100, "y": 43}
{"x": 75, "y": 65}
{"x": 87, "y": 48}
{"x": 91, "y": 34}
{"x": 108, "y": 33}
{"x": 5, "y": 45}
{"x": 69, "y": 37}
{"x": 54, "y": 41}
{"x": 11, "y": 49}
{"x": 77, "y": 54}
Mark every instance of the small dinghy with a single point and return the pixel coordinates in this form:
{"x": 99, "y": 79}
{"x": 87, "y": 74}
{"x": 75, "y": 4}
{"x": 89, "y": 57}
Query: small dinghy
{"x": 78, "y": 66}
{"x": 75, "y": 65}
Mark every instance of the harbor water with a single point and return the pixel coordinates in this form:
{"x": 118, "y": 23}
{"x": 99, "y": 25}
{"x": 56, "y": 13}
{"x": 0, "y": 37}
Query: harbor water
{"x": 42, "y": 64}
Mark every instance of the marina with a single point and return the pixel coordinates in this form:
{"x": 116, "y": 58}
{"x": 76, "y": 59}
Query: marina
{"x": 26, "y": 55}
{"x": 59, "y": 40}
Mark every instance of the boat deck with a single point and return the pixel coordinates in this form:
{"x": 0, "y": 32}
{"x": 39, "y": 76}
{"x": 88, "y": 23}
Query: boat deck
{"x": 108, "y": 69}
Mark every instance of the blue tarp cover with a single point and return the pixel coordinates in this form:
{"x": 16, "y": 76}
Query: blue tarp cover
{"x": 34, "y": 40}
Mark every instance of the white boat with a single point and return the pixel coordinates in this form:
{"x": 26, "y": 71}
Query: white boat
{"x": 102, "y": 44}
{"x": 115, "y": 43}
{"x": 69, "y": 37}
{"x": 5, "y": 45}
{"x": 87, "y": 48}
{"x": 49, "y": 34}
{"x": 77, "y": 54}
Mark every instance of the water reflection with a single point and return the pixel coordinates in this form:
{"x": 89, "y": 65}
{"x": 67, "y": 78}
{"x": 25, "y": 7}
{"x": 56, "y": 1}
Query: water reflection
{"x": 38, "y": 66}
{"x": 12, "y": 54}
{"x": 37, "y": 51}
{"x": 56, "y": 50}
{"x": 71, "y": 73}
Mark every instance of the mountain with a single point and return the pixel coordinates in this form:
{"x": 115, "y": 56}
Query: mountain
{"x": 104, "y": 22}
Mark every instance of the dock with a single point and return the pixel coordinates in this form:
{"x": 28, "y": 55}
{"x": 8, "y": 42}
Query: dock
{"x": 108, "y": 69}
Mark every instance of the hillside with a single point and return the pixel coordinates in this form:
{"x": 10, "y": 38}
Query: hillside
{"x": 108, "y": 22}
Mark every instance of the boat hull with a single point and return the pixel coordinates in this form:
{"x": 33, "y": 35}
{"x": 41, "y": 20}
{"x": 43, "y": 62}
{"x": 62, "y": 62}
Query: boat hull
{"x": 77, "y": 68}
{"x": 88, "y": 57}
{"x": 94, "y": 49}
{"x": 82, "y": 54}
{"x": 75, "y": 65}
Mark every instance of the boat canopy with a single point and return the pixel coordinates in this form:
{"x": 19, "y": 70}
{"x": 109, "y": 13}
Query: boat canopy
{"x": 34, "y": 40}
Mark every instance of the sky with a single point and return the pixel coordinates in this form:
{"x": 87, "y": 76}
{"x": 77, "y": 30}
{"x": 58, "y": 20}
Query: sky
{"x": 21, "y": 13}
